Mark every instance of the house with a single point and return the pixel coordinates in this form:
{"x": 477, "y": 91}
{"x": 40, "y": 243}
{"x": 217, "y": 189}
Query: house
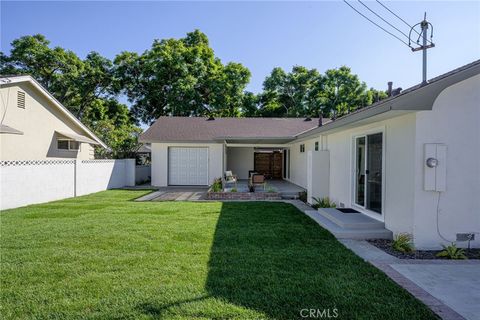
{"x": 35, "y": 126}
{"x": 410, "y": 161}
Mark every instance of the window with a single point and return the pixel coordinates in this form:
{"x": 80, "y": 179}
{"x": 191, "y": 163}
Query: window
{"x": 316, "y": 145}
{"x": 74, "y": 145}
{"x": 68, "y": 145}
{"x": 21, "y": 99}
{"x": 302, "y": 147}
{"x": 62, "y": 144}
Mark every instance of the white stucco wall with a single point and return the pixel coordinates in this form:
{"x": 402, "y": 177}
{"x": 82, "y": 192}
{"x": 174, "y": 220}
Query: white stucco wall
{"x": 38, "y": 121}
{"x": 240, "y": 160}
{"x": 29, "y": 182}
{"x": 398, "y": 196}
{"x": 454, "y": 122}
{"x": 160, "y": 161}
{"x": 298, "y": 161}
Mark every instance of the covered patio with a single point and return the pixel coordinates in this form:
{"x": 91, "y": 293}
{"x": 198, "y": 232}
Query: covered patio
{"x": 283, "y": 187}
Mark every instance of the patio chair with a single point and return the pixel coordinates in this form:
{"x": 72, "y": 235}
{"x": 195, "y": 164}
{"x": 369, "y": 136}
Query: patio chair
{"x": 230, "y": 178}
{"x": 258, "y": 179}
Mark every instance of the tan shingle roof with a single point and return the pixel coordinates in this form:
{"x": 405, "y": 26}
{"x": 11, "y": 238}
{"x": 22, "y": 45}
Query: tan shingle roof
{"x": 202, "y": 129}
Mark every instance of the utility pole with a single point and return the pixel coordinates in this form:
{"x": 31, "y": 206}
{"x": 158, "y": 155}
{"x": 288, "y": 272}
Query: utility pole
{"x": 423, "y": 33}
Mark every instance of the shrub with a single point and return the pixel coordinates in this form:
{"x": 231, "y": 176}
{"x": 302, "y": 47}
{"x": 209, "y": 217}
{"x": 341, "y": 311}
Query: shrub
{"x": 233, "y": 190}
{"x": 452, "y": 252}
{"x": 323, "y": 203}
{"x": 251, "y": 188}
{"x": 217, "y": 185}
{"x": 271, "y": 189}
{"x": 402, "y": 242}
{"x": 302, "y": 196}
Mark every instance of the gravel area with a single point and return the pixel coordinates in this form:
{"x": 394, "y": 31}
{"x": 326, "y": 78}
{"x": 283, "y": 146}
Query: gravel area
{"x": 386, "y": 245}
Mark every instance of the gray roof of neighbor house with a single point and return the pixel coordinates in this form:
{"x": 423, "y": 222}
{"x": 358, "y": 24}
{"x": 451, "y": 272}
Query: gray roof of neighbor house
{"x": 194, "y": 129}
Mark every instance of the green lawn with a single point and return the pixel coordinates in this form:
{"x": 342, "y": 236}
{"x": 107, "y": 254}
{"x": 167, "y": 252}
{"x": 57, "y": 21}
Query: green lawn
{"x": 104, "y": 256}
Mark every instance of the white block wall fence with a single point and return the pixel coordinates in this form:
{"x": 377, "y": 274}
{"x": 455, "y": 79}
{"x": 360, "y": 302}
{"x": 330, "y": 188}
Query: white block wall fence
{"x": 27, "y": 182}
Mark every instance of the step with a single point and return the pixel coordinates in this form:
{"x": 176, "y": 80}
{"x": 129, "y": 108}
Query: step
{"x": 348, "y": 233}
{"x": 354, "y": 220}
{"x": 289, "y": 195}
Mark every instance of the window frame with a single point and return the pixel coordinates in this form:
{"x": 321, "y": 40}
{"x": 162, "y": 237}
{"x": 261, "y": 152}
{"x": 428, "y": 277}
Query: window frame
{"x": 317, "y": 146}
{"x": 69, "y": 148}
{"x": 302, "y": 148}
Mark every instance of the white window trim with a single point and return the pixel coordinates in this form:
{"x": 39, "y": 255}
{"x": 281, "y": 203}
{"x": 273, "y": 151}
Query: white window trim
{"x": 371, "y": 214}
{"x": 69, "y": 149}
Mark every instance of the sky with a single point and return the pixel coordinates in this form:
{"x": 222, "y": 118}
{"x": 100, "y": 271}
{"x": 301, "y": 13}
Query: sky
{"x": 261, "y": 35}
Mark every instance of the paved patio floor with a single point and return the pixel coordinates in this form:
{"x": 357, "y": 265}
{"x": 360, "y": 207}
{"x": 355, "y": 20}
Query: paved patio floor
{"x": 176, "y": 194}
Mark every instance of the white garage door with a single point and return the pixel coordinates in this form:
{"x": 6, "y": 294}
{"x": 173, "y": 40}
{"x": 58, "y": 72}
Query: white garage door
{"x": 187, "y": 166}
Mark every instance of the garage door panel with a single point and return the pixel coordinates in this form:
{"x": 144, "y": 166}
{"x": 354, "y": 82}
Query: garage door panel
{"x": 188, "y": 166}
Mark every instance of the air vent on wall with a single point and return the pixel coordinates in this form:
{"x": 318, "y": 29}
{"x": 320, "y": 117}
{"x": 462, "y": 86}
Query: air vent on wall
{"x": 21, "y": 99}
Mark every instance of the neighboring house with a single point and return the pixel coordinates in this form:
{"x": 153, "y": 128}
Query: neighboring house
{"x": 35, "y": 126}
{"x": 377, "y": 160}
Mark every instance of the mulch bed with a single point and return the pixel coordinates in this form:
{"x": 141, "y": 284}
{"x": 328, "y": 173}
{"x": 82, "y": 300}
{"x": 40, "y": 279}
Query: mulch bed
{"x": 386, "y": 245}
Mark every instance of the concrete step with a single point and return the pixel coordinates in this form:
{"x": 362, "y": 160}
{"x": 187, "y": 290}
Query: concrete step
{"x": 348, "y": 233}
{"x": 289, "y": 195}
{"x": 354, "y": 220}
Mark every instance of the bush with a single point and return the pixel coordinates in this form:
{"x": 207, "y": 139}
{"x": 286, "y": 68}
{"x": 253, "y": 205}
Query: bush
{"x": 233, "y": 190}
{"x": 323, "y": 203}
{"x": 302, "y": 196}
{"x": 402, "y": 243}
{"x": 271, "y": 189}
{"x": 217, "y": 185}
{"x": 452, "y": 252}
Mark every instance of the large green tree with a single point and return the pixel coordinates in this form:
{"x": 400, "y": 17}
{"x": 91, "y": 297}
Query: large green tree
{"x": 86, "y": 87}
{"x": 181, "y": 77}
{"x": 305, "y": 93}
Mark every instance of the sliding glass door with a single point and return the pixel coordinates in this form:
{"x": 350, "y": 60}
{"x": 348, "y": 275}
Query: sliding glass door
{"x": 368, "y": 171}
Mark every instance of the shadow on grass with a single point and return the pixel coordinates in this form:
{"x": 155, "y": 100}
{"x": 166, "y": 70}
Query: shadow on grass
{"x": 271, "y": 258}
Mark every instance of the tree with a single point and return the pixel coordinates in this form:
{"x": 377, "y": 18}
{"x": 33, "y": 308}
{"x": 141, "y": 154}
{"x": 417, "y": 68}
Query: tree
{"x": 112, "y": 121}
{"x": 343, "y": 92}
{"x": 290, "y": 94}
{"x": 86, "y": 87}
{"x": 307, "y": 93}
{"x": 181, "y": 77}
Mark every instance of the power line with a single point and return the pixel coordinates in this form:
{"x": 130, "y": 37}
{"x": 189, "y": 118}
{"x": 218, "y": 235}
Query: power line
{"x": 389, "y": 10}
{"x": 377, "y": 25}
{"x": 391, "y": 25}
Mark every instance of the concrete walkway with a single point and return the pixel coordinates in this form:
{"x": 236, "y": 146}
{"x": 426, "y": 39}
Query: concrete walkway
{"x": 176, "y": 194}
{"x": 450, "y": 288}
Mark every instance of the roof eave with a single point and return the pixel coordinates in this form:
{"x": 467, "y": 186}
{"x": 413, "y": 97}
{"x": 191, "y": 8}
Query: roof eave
{"x": 37, "y": 85}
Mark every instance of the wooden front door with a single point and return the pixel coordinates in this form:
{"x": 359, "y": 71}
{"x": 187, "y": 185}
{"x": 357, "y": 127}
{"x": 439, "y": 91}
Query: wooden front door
{"x": 269, "y": 164}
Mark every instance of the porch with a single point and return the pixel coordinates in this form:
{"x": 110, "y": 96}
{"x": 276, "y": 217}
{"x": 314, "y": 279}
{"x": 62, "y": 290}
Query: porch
{"x": 286, "y": 189}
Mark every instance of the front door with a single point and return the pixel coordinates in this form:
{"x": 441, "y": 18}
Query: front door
{"x": 368, "y": 172}
{"x": 268, "y": 164}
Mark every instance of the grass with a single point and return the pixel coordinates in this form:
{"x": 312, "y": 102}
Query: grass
{"x": 103, "y": 256}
